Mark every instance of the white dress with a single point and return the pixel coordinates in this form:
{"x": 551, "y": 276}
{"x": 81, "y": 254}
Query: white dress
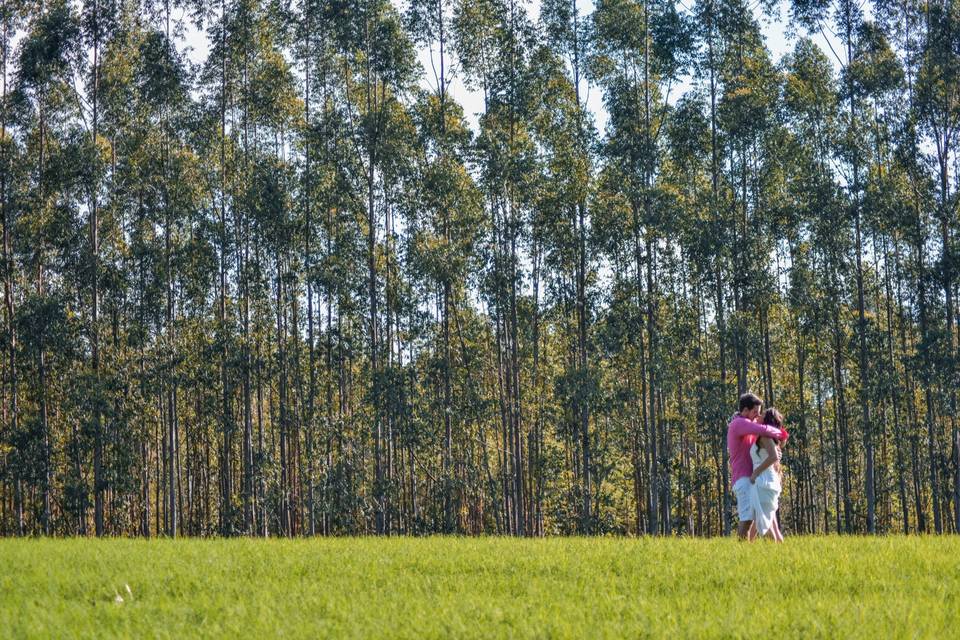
{"x": 764, "y": 493}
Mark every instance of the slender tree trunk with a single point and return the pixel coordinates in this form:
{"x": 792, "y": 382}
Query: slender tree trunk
{"x": 226, "y": 484}
{"x": 372, "y": 142}
{"x": 928, "y": 392}
{"x": 312, "y": 392}
{"x": 243, "y": 262}
{"x": 867, "y": 427}
{"x": 718, "y": 276}
{"x": 98, "y": 475}
{"x": 8, "y": 297}
{"x": 898, "y": 440}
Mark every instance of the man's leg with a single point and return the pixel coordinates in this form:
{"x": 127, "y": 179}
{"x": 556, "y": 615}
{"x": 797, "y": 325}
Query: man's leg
{"x": 741, "y": 490}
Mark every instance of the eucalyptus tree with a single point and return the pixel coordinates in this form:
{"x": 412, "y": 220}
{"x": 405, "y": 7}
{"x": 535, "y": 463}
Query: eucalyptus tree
{"x": 938, "y": 114}
{"x": 891, "y": 218}
{"x": 121, "y": 443}
{"x": 44, "y": 107}
{"x": 494, "y": 43}
{"x": 878, "y": 78}
{"x": 444, "y": 226}
{"x": 909, "y": 175}
{"x": 11, "y": 23}
{"x": 639, "y": 52}
{"x": 377, "y": 72}
{"x": 250, "y": 114}
{"x": 746, "y": 116}
{"x": 569, "y": 138}
{"x": 711, "y": 41}
{"x": 224, "y": 76}
{"x": 908, "y": 26}
{"x": 96, "y": 18}
{"x": 811, "y": 102}
{"x": 853, "y": 33}
{"x": 330, "y": 192}
{"x": 312, "y": 48}
{"x": 450, "y": 198}
{"x": 126, "y": 121}
{"x": 562, "y": 132}
{"x": 151, "y": 200}
{"x": 687, "y": 178}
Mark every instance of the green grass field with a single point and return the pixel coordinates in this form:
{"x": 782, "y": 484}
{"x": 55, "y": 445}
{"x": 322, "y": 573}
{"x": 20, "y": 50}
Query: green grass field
{"x": 473, "y": 588}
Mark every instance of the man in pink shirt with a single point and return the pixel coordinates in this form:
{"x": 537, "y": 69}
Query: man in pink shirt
{"x": 742, "y": 432}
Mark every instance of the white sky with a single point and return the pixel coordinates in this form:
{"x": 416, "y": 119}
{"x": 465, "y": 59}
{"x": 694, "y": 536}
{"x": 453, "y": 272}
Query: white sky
{"x": 776, "y": 34}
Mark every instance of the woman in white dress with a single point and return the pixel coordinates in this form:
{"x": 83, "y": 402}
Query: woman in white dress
{"x": 767, "y": 480}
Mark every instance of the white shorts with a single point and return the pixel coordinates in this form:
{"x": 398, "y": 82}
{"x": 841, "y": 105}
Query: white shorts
{"x": 741, "y": 488}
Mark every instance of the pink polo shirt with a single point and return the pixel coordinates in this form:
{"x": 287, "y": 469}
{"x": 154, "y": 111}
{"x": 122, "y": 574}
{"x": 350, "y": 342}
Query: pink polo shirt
{"x": 741, "y": 434}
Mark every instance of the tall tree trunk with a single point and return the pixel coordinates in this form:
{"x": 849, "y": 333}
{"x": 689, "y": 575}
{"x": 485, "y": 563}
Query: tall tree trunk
{"x": 898, "y": 442}
{"x": 226, "y": 484}
{"x": 243, "y": 262}
{"x": 928, "y": 392}
{"x": 312, "y": 391}
{"x": 867, "y": 427}
{"x": 8, "y": 298}
{"x": 373, "y": 105}
{"x": 579, "y": 222}
{"x": 98, "y": 475}
{"x": 170, "y": 385}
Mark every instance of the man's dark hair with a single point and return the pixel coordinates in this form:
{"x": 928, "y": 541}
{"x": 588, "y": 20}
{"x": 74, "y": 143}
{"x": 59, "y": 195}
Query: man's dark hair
{"x": 749, "y": 401}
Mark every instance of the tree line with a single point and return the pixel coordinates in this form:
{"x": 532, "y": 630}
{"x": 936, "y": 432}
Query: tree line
{"x": 293, "y": 289}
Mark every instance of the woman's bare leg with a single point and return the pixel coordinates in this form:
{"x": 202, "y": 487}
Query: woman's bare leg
{"x": 776, "y": 530}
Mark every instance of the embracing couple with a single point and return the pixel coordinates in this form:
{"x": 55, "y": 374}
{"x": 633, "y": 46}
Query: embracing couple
{"x": 753, "y": 443}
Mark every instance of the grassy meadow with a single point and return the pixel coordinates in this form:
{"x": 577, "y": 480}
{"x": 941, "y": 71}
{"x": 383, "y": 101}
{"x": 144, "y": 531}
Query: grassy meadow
{"x": 481, "y": 588}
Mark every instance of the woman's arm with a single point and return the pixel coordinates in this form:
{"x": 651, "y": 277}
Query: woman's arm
{"x": 771, "y": 450}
